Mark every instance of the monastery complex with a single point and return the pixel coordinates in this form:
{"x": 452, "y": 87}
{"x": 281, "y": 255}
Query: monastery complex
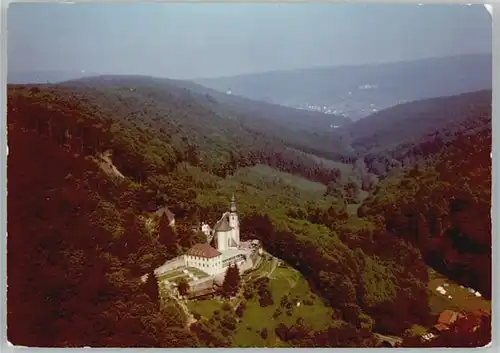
{"x": 206, "y": 263}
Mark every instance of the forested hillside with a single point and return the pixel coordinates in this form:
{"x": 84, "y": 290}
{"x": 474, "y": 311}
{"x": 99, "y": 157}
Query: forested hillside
{"x": 301, "y": 129}
{"x": 441, "y": 202}
{"x": 409, "y": 122}
{"x": 414, "y": 132}
{"x": 78, "y": 241}
{"x": 357, "y": 90}
{"x": 76, "y": 249}
{"x": 444, "y": 206}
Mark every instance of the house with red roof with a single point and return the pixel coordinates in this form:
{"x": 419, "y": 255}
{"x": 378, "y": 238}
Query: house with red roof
{"x": 446, "y": 321}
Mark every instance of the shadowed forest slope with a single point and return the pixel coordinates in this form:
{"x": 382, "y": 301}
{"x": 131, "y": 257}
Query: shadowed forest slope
{"x": 414, "y": 132}
{"x": 444, "y": 205}
{"x": 409, "y": 122}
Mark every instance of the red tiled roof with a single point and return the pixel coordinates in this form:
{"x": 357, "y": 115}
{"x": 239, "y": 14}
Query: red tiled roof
{"x": 447, "y": 317}
{"x": 441, "y": 327}
{"x": 203, "y": 250}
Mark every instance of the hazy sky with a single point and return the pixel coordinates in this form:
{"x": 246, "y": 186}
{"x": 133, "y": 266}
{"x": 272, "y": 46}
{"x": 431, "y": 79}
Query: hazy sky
{"x": 204, "y": 40}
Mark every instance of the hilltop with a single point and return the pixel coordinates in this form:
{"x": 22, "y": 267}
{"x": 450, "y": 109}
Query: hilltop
{"x": 412, "y": 132}
{"x": 410, "y": 122}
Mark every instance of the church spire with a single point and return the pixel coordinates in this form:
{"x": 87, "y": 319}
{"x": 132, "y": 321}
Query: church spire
{"x": 233, "y": 203}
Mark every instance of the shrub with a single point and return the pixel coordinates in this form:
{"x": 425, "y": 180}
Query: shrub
{"x": 248, "y": 293}
{"x": 226, "y": 307}
{"x": 263, "y": 333}
{"x": 277, "y": 313}
{"x": 229, "y": 322}
{"x": 281, "y": 331}
{"x": 284, "y": 301}
{"x": 240, "y": 310}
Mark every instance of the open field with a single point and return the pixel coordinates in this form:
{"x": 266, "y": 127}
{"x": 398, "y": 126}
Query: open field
{"x": 283, "y": 281}
{"x": 345, "y": 169}
{"x": 461, "y": 298}
{"x": 270, "y": 175}
{"x": 205, "y": 307}
{"x": 265, "y": 267}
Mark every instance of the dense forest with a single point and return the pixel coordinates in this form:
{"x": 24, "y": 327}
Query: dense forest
{"x": 78, "y": 241}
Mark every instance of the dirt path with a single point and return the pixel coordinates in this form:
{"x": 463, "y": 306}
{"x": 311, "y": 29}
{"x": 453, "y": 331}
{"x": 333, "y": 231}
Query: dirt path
{"x": 107, "y": 165}
{"x": 274, "y": 265}
{"x": 189, "y": 317}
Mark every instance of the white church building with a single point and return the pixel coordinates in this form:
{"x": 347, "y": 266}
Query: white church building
{"x": 222, "y": 247}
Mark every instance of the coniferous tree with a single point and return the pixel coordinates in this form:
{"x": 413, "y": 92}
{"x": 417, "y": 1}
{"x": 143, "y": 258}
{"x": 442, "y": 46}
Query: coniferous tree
{"x": 168, "y": 237}
{"x": 231, "y": 281}
{"x": 183, "y": 287}
{"x": 151, "y": 288}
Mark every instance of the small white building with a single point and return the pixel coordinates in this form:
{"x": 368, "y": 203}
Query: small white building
{"x": 205, "y": 228}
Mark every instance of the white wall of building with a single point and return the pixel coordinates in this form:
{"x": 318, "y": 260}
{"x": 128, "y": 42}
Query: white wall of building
{"x": 222, "y": 240}
{"x": 170, "y": 265}
{"x": 235, "y": 224}
{"x": 210, "y": 266}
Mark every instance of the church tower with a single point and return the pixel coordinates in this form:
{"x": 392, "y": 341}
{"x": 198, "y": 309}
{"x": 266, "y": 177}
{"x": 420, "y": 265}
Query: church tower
{"x": 234, "y": 222}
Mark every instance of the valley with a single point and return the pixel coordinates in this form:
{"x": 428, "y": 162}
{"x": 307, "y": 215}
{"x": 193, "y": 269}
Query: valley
{"x": 358, "y": 91}
{"x": 350, "y": 222}
{"x": 254, "y": 175}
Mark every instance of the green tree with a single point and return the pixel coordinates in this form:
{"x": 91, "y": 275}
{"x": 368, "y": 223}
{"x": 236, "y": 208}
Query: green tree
{"x": 231, "y": 281}
{"x": 168, "y": 237}
{"x": 151, "y": 288}
{"x": 183, "y": 287}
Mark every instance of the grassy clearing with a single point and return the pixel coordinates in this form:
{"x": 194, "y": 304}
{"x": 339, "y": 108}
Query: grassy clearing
{"x": 284, "y": 281}
{"x": 265, "y": 266}
{"x": 205, "y": 307}
{"x": 197, "y": 272}
{"x": 177, "y": 275}
{"x": 270, "y": 175}
{"x": 178, "y": 279}
{"x": 345, "y": 169}
{"x": 352, "y": 209}
{"x": 170, "y": 275}
{"x": 461, "y": 298}
{"x": 418, "y": 331}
